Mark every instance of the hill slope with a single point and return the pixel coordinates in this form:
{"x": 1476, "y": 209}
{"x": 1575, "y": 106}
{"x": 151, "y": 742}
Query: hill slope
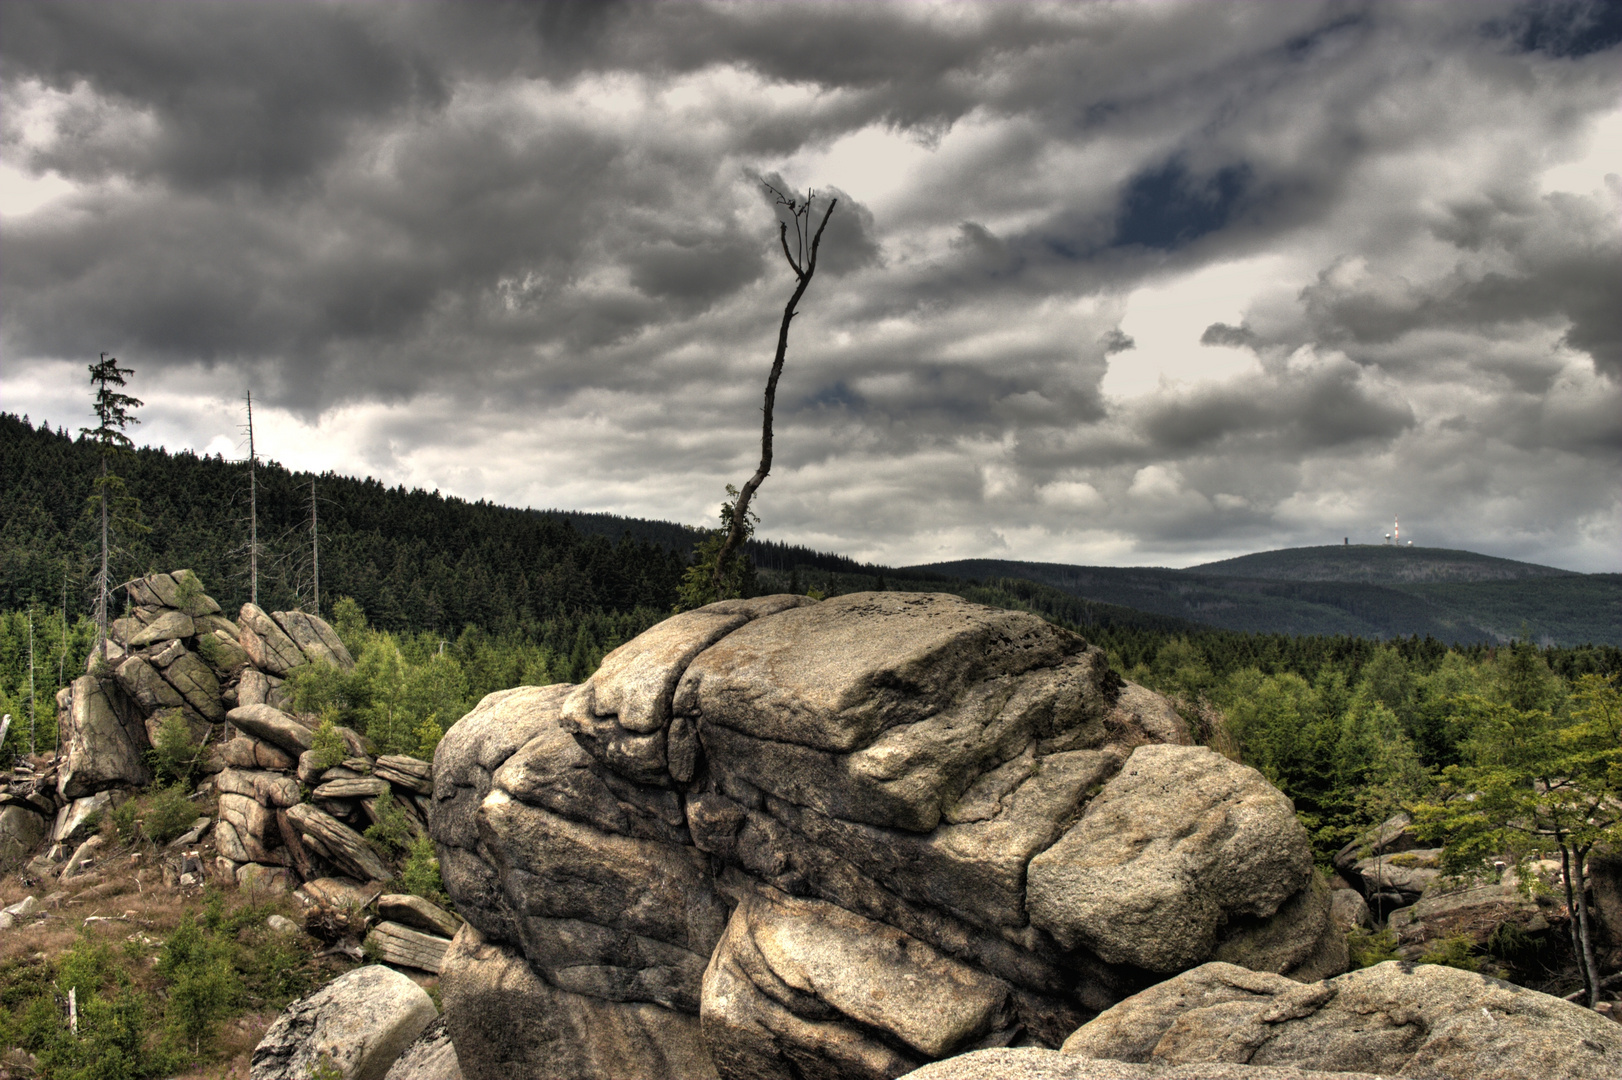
{"x": 1376, "y": 564}
{"x": 1557, "y": 607}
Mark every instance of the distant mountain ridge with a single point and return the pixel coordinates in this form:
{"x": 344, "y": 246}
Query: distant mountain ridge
{"x": 1377, "y": 564}
{"x": 1369, "y": 591}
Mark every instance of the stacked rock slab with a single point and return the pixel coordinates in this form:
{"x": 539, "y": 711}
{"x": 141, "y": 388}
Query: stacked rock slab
{"x": 778, "y": 838}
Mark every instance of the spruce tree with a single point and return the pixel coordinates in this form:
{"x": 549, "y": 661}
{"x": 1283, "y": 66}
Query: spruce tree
{"x": 115, "y": 507}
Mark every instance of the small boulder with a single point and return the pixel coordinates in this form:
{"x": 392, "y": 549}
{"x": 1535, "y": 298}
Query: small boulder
{"x": 417, "y": 912}
{"x": 1349, "y": 910}
{"x": 266, "y": 643}
{"x": 170, "y": 626}
{"x": 22, "y": 829}
{"x": 359, "y": 1024}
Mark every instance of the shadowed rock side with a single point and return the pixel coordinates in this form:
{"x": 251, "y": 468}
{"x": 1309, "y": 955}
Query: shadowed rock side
{"x": 778, "y": 838}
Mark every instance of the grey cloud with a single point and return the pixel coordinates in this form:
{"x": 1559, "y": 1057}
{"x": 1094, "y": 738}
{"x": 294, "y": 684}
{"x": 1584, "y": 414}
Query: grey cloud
{"x": 1236, "y": 337}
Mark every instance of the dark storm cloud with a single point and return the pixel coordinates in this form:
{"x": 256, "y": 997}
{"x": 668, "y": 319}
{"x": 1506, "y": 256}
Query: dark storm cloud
{"x": 256, "y": 93}
{"x": 523, "y": 251}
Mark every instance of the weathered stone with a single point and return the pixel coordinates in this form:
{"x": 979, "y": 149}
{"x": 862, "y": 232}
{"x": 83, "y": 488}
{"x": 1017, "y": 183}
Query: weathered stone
{"x": 1605, "y": 881}
{"x": 1034, "y": 1063}
{"x": 1391, "y": 1019}
{"x": 506, "y": 1021}
{"x": 83, "y": 857}
{"x": 882, "y": 708}
{"x": 170, "y": 626}
{"x": 217, "y": 626}
{"x": 1393, "y": 836}
{"x": 273, "y": 726}
{"x": 410, "y": 773}
{"x": 1407, "y": 874}
{"x": 1300, "y": 940}
{"x": 191, "y": 677}
{"x": 359, "y": 1024}
{"x": 1349, "y": 910}
{"x": 195, "y": 833}
{"x": 361, "y": 787}
{"x": 150, "y": 690}
{"x": 1178, "y": 843}
{"x": 1473, "y": 912}
{"x": 315, "y": 639}
{"x": 104, "y": 741}
{"x": 281, "y": 924}
{"x": 230, "y": 845}
{"x": 253, "y": 688}
{"x": 840, "y": 978}
{"x": 267, "y": 788}
{"x": 310, "y": 768}
{"x": 245, "y": 752}
{"x": 404, "y": 946}
{"x": 266, "y": 644}
{"x": 416, "y": 912}
{"x": 338, "y": 842}
{"x": 180, "y": 589}
{"x": 338, "y": 893}
{"x": 247, "y": 816}
{"x": 256, "y": 877}
{"x": 22, "y": 829}
{"x": 431, "y": 1057}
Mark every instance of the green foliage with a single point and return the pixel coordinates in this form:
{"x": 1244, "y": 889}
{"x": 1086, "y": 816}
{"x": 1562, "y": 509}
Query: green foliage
{"x": 391, "y": 833}
{"x": 428, "y": 734}
{"x": 349, "y": 621}
{"x": 1457, "y": 951}
{"x": 174, "y": 752}
{"x": 204, "y": 985}
{"x": 123, "y": 822}
{"x": 1365, "y": 948}
{"x": 324, "y": 1069}
{"x": 737, "y": 577}
{"x": 420, "y": 875}
{"x": 166, "y": 813}
{"x": 327, "y": 742}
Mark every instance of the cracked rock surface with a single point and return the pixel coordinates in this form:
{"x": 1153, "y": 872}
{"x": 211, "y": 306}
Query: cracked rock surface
{"x": 778, "y": 838}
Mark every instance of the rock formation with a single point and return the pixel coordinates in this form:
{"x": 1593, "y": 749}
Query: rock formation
{"x": 777, "y": 838}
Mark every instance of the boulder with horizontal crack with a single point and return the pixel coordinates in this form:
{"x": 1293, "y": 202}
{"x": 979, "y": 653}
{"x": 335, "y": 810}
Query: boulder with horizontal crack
{"x": 776, "y": 838}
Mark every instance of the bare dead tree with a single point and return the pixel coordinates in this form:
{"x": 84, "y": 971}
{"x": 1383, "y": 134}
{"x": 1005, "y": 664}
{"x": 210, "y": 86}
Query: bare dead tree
{"x": 802, "y": 259}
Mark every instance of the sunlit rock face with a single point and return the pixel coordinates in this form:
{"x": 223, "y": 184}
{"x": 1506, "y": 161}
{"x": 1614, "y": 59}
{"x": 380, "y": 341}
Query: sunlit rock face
{"x": 779, "y": 838}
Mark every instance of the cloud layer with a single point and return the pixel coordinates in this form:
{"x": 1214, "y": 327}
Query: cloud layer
{"x": 1114, "y": 283}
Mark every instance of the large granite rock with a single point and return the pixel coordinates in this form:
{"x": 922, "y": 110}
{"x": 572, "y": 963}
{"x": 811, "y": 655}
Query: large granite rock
{"x": 358, "y": 1024}
{"x": 104, "y": 741}
{"x": 266, "y": 643}
{"x": 1393, "y": 1019}
{"x": 779, "y": 838}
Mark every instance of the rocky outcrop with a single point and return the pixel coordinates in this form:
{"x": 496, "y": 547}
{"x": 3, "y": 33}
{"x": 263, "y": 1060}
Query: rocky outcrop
{"x": 358, "y": 1024}
{"x": 779, "y": 838}
{"x": 1030, "y": 1063}
{"x": 104, "y": 739}
{"x": 1392, "y": 1019}
{"x": 431, "y": 1057}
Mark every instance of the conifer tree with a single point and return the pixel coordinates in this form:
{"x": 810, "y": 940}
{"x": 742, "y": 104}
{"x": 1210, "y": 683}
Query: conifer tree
{"x": 116, "y": 508}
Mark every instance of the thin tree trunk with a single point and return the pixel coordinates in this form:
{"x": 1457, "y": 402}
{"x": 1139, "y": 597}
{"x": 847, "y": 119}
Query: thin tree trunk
{"x": 315, "y": 548}
{"x": 253, "y": 512}
{"x": 1573, "y": 927}
{"x": 31, "y": 675}
{"x": 1590, "y": 964}
{"x": 101, "y": 581}
{"x": 802, "y": 273}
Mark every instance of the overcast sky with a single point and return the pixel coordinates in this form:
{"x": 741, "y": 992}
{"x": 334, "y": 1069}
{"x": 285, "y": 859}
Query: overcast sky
{"x": 1141, "y": 283}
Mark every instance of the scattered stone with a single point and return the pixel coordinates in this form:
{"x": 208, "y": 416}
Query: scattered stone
{"x": 281, "y": 924}
{"x": 402, "y": 946}
{"x": 416, "y": 912}
{"x": 193, "y": 834}
{"x": 359, "y": 1024}
{"x": 23, "y": 908}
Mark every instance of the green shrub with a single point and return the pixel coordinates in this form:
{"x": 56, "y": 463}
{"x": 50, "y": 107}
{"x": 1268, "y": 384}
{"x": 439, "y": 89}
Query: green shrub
{"x": 1366, "y": 948}
{"x": 166, "y": 813}
{"x": 391, "y": 833}
{"x": 203, "y": 985}
{"x": 174, "y": 753}
{"x": 420, "y": 877}
{"x": 327, "y": 743}
{"x": 1457, "y": 951}
{"x": 428, "y": 733}
{"x": 123, "y": 821}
